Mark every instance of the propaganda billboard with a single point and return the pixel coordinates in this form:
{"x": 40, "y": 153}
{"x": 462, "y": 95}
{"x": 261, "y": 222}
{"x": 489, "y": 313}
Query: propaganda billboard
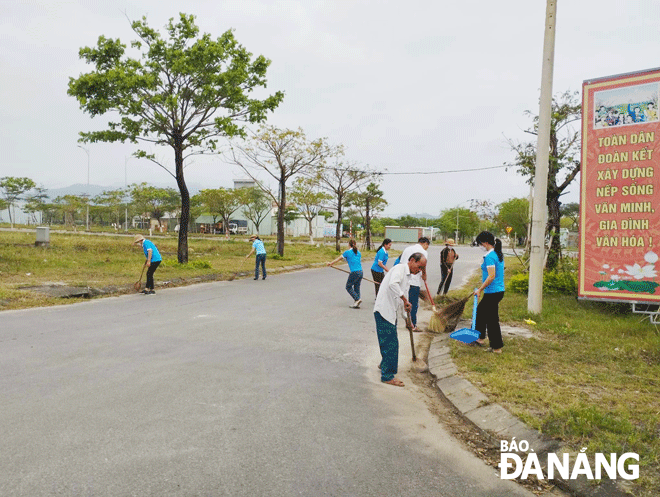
{"x": 620, "y": 189}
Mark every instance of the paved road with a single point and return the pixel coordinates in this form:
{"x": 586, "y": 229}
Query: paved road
{"x": 265, "y": 388}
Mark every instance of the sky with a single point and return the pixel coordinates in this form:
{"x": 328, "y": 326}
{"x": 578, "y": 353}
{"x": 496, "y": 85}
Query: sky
{"x": 405, "y": 87}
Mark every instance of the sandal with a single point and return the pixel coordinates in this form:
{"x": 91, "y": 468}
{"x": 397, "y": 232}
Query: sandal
{"x": 395, "y": 382}
{"x": 416, "y": 330}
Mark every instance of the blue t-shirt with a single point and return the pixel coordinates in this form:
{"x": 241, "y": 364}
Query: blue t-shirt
{"x": 155, "y": 255}
{"x": 381, "y": 256}
{"x": 497, "y": 285}
{"x": 354, "y": 260}
{"x": 258, "y": 246}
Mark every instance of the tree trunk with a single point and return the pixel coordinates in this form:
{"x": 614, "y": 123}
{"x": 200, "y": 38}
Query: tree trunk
{"x": 311, "y": 231}
{"x": 338, "y": 230}
{"x": 182, "y": 251}
{"x": 280, "y": 219}
{"x": 367, "y": 225}
{"x": 554, "y": 217}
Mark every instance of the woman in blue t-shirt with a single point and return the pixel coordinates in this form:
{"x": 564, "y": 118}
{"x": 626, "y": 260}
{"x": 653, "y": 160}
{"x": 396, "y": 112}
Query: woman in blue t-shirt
{"x": 378, "y": 268}
{"x": 354, "y": 259}
{"x": 492, "y": 273}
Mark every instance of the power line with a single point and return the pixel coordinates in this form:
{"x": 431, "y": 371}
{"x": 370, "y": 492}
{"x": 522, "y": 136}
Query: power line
{"x": 382, "y": 173}
{"x": 451, "y": 171}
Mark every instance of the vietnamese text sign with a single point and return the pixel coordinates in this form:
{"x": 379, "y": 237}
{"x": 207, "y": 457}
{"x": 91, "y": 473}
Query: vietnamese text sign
{"x": 620, "y": 188}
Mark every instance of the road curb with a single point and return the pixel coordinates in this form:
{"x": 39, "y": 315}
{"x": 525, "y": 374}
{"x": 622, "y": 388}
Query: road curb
{"x": 495, "y": 421}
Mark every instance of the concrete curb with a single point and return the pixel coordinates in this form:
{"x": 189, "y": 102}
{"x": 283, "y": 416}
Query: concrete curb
{"x": 494, "y": 420}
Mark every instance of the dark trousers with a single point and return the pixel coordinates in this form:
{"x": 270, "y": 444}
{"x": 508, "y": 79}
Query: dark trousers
{"x": 353, "y": 284}
{"x": 388, "y": 341}
{"x": 150, "y": 275}
{"x": 447, "y": 274}
{"x": 488, "y": 319}
{"x": 413, "y": 298}
{"x": 261, "y": 259}
{"x": 378, "y": 278}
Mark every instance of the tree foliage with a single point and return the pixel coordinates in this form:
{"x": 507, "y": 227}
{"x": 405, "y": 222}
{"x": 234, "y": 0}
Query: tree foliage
{"x": 564, "y": 160}
{"x": 154, "y": 202}
{"x": 367, "y": 203}
{"x": 13, "y": 189}
{"x": 514, "y": 213}
{"x": 256, "y": 206}
{"x": 309, "y": 200}
{"x": 185, "y": 92}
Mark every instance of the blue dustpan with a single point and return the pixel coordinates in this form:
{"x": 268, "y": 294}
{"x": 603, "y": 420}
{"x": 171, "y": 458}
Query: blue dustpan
{"x": 468, "y": 335}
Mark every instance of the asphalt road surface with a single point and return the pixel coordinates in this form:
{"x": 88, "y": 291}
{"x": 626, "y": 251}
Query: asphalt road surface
{"x": 263, "y": 388}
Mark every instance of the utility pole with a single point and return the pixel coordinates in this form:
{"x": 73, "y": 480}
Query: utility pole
{"x": 540, "y": 209}
{"x": 126, "y": 200}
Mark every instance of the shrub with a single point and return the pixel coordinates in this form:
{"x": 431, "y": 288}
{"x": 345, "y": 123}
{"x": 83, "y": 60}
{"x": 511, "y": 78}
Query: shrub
{"x": 553, "y": 282}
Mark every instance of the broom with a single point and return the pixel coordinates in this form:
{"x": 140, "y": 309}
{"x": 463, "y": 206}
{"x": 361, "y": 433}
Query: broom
{"x": 439, "y": 319}
{"x": 343, "y": 270}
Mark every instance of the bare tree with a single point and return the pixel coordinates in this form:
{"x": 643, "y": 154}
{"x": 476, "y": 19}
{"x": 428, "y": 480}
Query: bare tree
{"x": 339, "y": 180}
{"x": 282, "y": 154}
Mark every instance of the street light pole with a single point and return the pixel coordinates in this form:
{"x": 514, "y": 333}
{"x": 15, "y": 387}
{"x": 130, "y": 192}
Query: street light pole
{"x": 87, "y": 152}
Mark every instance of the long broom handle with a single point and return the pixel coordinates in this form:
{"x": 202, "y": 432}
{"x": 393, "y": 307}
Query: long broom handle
{"x": 474, "y": 311}
{"x": 412, "y": 341}
{"x": 343, "y": 270}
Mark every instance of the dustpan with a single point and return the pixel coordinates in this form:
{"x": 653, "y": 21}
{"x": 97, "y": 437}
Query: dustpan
{"x": 468, "y": 335}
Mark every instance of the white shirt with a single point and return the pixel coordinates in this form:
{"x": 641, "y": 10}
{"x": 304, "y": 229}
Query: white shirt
{"x": 413, "y": 249}
{"x": 395, "y": 284}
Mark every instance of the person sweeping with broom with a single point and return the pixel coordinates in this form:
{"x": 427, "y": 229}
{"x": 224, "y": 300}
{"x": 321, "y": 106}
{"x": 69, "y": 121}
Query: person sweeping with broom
{"x": 354, "y": 259}
{"x": 391, "y": 296}
{"x": 152, "y": 262}
{"x": 447, "y": 258}
{"x": 258, "y": 245}
{"x": 492, "y": 270}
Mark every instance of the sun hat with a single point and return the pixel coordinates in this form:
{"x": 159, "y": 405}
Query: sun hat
{"x": 450, "y": 241}
{"x": 253, "y": 237}
{"x": 138, "y": 238}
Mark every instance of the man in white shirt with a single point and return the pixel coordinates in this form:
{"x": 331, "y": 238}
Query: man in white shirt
{"x": 392, "y": 294}
{"x": 416, "y": 283}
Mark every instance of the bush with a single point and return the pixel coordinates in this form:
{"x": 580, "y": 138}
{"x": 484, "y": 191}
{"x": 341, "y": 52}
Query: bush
{"x": 553, "y": 282}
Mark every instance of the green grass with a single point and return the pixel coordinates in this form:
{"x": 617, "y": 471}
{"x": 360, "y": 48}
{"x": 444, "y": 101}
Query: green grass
{"x": 590, "y": 376}
{"x": 112, "y": 260}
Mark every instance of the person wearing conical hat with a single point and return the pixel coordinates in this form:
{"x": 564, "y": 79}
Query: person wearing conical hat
{"x": 153, "y": 261}
{"x": 447, "y": 258}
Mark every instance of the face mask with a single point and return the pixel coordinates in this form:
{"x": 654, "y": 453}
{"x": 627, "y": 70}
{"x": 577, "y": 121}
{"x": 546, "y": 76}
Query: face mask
{"x": 482, "y": 247}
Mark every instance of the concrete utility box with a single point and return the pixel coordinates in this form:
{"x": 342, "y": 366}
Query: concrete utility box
{"x": 43, "y": 236}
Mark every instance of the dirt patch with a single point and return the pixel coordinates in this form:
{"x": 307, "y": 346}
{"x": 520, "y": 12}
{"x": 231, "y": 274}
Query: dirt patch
{"x": 482, "y": 444}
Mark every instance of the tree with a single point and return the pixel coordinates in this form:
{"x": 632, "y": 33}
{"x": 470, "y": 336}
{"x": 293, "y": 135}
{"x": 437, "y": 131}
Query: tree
{"x": 257, "y": 206}
{"x": 185, "y": 92}
{"x": 514, "y": 213}
{"x": 572, "y": 212}
{"x": 70, "y": 206}
{"x": 282, "y": 154}
{"x": 309, "y": 200}
{"x": 36, "y": 202}
{"x": 154, "y": 201}
{"x": 367, "y": 203}
{"x": 459, "y": 222}
{"x": 564, "y": 160}
{"x": 112, "y": 201}
{"x": 340, "y": 180}
{"x": 222, "y": 202}
{"x": 13, "y": 190}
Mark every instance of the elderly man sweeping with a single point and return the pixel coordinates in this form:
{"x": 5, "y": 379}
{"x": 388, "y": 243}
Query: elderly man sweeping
{"x": 391, "y": 296}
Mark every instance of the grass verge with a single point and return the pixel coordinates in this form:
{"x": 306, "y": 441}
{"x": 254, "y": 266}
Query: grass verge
{"x": 590, "y": 376}
{"x": 103, "y": 261}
